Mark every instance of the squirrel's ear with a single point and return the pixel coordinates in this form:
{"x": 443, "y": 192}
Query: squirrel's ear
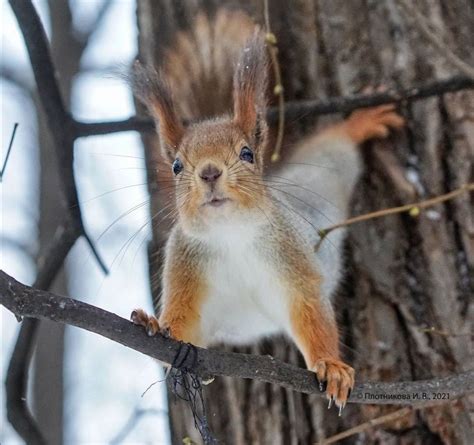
{"x": 151, "y": 89}
{"x": 250, "y": 86}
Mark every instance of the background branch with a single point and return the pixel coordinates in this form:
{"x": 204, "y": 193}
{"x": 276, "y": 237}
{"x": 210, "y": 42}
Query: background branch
{"x": 30, "y": 302}
{"x": 83, "y": 37}
{"x": 9, "y": 149}
{"x": 60, "y": 122}
{"x": 413, "y": 209}
{"x": 395, "y": 415}
{"x": 16, "y": 382}
{"x": 299, "y": 109}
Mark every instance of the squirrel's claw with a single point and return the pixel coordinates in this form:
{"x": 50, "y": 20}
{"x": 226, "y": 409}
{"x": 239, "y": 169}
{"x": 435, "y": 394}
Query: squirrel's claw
{"x": 331, "y": 399}
{"x": 323, "y": 385}
{"x": 149, "y": 322}
{"x": 339, "y": 380}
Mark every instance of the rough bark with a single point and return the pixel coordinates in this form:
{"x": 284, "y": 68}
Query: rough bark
{"x": 403, "y": 273}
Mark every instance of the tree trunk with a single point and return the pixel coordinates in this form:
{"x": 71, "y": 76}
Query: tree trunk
{"x": 403, "y": 273}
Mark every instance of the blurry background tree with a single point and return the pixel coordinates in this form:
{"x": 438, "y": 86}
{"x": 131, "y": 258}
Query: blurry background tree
{"x": 67, "y": 47}
{"x": 63, "y": 389}
{"x": 406, "y": 274}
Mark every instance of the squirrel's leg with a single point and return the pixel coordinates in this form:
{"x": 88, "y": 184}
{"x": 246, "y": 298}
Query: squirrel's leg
{"x": 179, "y": 320}
{"x": 315, "y": 332}
{"x": 368, "y": 123}
{"x": 334, "y": 156}
{"x": 184, "y": 290}
{"x": 329, "y": 164}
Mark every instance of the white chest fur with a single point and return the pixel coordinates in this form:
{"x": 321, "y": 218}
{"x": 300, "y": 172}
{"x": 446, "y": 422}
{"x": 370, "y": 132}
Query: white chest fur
{"x": 245, "y": 299}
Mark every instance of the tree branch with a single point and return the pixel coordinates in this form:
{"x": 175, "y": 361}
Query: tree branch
{"x": 30, "y": 302}
{"x": 9, "y": 149}
{"x": 133, "y": 123}
{"x": 395, "y": 415}
{"x": 302, "y": 108}
{"x": 83, "y": 37}
{"x": 413, "y": 209}
{"x": 60, "y": 122}
{"x": 17, "y": 79}
{"x": 16, "y": 382}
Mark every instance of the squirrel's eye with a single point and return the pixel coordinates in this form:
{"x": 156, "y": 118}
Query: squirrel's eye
{"x": 246, "y": 155}
{"x": 177, "y": 166}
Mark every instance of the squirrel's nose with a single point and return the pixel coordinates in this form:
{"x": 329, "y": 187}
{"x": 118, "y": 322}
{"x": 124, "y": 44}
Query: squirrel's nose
{"x": 210, "y": 173}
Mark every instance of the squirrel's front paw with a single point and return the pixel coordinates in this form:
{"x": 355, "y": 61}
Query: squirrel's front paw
{"x": 149, "y": 322}
{"x": 338, "y": 379}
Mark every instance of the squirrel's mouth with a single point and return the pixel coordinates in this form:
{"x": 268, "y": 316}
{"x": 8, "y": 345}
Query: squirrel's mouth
{"x": 216, "y": 202}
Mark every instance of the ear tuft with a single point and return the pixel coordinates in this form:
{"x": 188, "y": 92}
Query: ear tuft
{"x": 151, "y": 89}
{"x": 250, "y": 86}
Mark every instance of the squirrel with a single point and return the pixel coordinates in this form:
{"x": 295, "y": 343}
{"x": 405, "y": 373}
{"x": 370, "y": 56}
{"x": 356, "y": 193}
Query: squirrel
{"x": 239, "y": 262}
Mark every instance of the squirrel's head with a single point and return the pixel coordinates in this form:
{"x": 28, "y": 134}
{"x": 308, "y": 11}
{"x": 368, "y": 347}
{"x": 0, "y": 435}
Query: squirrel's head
{"x": 217, "y": 164}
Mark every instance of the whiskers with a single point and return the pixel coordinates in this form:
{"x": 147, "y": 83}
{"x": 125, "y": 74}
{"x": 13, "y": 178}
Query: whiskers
{"x": 149, "y": 221}
{"x": 169, "y": 212}
{"x": 285, "y": 193}
{"x": 255, "y": 186}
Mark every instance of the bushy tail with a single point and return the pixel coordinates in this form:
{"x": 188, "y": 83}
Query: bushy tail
{"x": 199, "y": 66}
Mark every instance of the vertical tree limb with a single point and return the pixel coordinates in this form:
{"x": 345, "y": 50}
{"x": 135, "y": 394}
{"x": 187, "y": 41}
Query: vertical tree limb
{"x": 63, "y": 132}
{"x": 16, "y": 383}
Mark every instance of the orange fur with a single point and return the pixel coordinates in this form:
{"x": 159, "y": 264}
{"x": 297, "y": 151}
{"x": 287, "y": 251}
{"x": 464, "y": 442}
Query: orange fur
{"x": 368, "y": 123}
{"x": 315, "y": 333}
{"x": 313, "y": 323}
{"x": 184, "y": 290}
{"x": 314, "y": 329}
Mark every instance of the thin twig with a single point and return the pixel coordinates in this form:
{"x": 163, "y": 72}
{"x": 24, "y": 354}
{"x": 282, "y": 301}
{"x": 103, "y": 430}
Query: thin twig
{"x": 386, "y": 418}
{"x": 432, "y": 35}
{"x": 18, "y": 78}
{"x": 10, "y": 145}
{"x": 137, "y": 414}
{"x": 96, "y": 253}
{"x": 398, "y": 414}
{"x": 433, "y": 330}
{"x": 414, "y": 210}
{"x": 26, "y": 301}
{"x": 278, "y": 89}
